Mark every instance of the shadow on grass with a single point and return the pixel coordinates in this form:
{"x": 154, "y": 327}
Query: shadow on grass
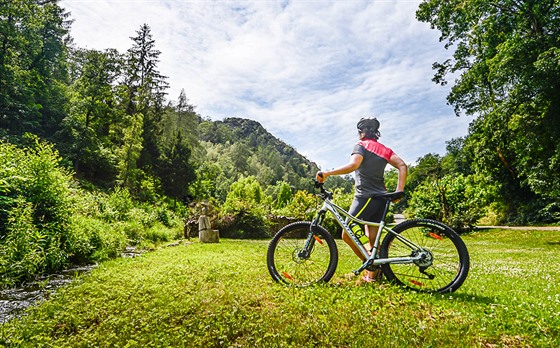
{"x": 385, "y": 286}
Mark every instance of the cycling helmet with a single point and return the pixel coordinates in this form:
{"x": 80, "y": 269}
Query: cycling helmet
{"x": 370, "y": 127}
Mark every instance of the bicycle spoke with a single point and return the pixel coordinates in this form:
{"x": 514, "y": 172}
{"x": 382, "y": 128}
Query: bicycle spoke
{"x": 444, "y": 263}
{"x": 291, "y": 263}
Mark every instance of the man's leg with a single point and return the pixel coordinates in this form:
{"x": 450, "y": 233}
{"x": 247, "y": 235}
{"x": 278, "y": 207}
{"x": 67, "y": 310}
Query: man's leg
{"x": 355, "y": 249}
{"x": 371, "y": 233}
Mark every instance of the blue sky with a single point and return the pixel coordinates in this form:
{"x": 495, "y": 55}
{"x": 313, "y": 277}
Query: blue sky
{"x": 306, "y": 70}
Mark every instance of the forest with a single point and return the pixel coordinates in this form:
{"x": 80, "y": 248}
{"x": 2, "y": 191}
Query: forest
{"x": 95, "y": 156}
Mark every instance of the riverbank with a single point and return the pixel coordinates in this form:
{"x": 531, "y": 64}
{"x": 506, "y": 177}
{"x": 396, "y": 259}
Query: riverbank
{"x": 14, "y": 301}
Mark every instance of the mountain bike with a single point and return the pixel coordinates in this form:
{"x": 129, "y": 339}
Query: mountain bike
{"x": 419, "y": 254}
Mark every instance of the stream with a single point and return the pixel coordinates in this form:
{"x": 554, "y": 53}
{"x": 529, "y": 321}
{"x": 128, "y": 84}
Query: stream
{"x": 14, "y": 301}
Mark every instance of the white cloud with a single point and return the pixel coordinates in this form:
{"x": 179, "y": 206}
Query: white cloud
{"x": 307, "y": 70}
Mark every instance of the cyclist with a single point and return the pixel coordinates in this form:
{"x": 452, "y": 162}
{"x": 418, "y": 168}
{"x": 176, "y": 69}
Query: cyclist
{"x": 369, "y": 159}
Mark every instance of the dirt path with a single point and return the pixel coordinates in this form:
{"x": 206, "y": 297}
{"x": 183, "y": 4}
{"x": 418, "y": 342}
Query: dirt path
{"x": 535, "y": 228}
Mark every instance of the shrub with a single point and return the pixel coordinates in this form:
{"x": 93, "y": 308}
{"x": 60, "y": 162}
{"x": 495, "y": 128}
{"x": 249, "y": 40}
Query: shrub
{"x": 35, "y": 209}
{"x": 458, "y": 201}
{"x": 81, "y": 246}
{"x": 95, "y": 240}
{"x": 160, "y": 233}
{"x": 22, "y": 254}
{"x": 243, "y": 224}
{"x": 550, "y": 213}
{"x": 167, "y": 217}
{"x": 242, "y": 215}
{"x": 244, "y": 195}
{"x": 118, "y": 204}
{"x": 302, "y": 206}
{"x": 133, "y": 230}
{"x": 109, "y": 241}
{"x": 47, "y": 222}
{"x": 35, "y": 175}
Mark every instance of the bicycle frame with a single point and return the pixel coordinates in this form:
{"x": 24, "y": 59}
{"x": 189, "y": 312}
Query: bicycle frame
{"x": 370, "y": 258}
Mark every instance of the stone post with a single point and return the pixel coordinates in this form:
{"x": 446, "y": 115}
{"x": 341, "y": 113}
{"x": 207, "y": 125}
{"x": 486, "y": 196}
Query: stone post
{"x": 205, "y": 232}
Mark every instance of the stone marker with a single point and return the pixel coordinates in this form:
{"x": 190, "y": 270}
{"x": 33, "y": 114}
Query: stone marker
{"x": 205, "y": 232}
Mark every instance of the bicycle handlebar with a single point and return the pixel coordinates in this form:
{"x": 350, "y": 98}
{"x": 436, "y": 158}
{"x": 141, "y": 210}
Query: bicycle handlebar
{"x": 324, "y": 192}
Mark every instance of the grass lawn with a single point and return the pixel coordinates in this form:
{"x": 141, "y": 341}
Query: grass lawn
{"x": 221, "y": 295}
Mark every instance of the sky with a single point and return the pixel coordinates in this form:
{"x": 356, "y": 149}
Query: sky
{"x": 306, "y": 70}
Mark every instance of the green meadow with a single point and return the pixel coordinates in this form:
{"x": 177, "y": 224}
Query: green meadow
{"x": 221, "y": 295}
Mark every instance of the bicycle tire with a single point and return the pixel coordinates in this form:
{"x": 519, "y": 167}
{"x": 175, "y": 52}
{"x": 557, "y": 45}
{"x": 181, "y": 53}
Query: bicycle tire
{"x": 287, "y": 266}
{"x": 447, "y": 263}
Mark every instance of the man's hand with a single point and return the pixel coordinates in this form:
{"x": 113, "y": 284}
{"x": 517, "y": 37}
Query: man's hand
{"x": 320, "y": 177}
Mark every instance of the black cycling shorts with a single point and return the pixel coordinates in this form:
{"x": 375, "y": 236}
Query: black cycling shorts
{"x": 368, "y": 209}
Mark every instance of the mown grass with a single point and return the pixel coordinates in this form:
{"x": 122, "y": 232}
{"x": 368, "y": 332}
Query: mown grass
{"x": 220, "y": 295}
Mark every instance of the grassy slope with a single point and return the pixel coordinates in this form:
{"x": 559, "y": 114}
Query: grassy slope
{"x": 201, "y": 295}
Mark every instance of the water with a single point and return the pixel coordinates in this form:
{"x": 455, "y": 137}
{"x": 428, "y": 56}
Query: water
{"x": 14, "y": 301}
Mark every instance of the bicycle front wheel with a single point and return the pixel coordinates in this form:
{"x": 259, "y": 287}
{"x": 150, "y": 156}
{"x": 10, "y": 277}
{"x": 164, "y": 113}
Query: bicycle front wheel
{"x": 298, "y": 257}
{"x": 444, "y": 262}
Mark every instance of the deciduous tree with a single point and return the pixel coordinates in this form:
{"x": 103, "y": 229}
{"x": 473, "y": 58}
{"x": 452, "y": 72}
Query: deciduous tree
{"x": 506, "y": 65}
{"x": 33, "y": 71}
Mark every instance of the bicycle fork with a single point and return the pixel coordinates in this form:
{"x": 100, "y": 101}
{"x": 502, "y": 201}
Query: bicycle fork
{"x": 305, "y": 252}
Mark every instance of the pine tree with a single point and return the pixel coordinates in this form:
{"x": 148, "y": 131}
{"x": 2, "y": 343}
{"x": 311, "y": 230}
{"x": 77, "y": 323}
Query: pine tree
{"x": 146, "y": 88}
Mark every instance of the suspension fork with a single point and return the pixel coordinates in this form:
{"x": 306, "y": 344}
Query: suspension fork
{"x": 311, "y": 238}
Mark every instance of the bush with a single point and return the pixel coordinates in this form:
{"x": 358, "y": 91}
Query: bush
{"x": 458, "y": 201}
{"x": 302, "y": 206}
{"x": 94, "y": 240}
{"x": 117, "y": 205}
{"x": 550, "y": 213}
{"x": 242, "y": 215}
{"x": 161, "y": 233}
{"x": 46, "y": 222}
{"x": 35, "y": 175}
{"x": 109, "y": 241}
{"x": 22, "y": 254}
{"x": 243, "y": 224}
{"x": 35, "y": 209}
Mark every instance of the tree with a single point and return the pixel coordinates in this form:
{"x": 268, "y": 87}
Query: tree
{"x": 428, "y": 167}
{"x": 208, "y": 177}
{"x": 95, "y": 115}
{"x": 181, "y": 117}
{"x": 456, "y": 200}
{"x": 33, "y": 72}
{"x": 175, "y": 170}
{"x": 129, "y": 152}
{"x": 458, "y": 158}
{"x": 507, "y": 64}
{"x": 146, "y": 93}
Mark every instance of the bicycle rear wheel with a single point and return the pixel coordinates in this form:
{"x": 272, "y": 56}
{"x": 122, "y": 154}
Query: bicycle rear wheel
{"x": 445, "y": 260}
{"x": 288, "y": 261}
